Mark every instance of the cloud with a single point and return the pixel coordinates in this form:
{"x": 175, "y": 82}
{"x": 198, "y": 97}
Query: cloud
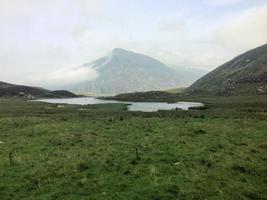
{"x": 216, "y": 42}
{"x": 171, "y": 26}
{"x": 223, "y": 2}
{"x": 46, "y": 39}
{"x": 243, "y": 31}
{"x": 63, "y": 77}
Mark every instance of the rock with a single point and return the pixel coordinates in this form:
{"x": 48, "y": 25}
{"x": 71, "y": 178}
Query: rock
{"x": 60, "y": 106}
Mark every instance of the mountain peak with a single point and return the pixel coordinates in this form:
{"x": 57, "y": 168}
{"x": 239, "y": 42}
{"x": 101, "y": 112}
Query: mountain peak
{"x": 120, "y": 51}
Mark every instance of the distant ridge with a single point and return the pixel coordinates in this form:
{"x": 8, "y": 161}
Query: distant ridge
{"x": 21, "y": 91}
{"x": 245, "y": 74}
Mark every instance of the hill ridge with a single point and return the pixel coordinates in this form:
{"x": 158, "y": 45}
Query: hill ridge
{"x": 246, "y": 73}
{"x": 29, "y": 92}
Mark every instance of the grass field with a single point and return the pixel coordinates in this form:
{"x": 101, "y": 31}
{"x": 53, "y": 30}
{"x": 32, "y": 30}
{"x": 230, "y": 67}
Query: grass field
{"x": 104, "y": 152}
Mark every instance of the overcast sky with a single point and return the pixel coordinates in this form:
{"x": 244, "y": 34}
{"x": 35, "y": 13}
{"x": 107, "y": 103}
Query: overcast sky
{"x": 40, "y": 40}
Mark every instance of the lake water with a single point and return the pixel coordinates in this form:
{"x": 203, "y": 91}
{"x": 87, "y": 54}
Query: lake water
{"x": 134, "y": 106}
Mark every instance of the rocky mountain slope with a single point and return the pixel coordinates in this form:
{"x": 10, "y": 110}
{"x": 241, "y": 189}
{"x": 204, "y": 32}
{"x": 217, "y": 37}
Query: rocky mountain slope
{"x": 245, "y": 74}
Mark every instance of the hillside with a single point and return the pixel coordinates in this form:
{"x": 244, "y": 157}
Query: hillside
{"x": 123, "y": 71}
{"x": 150, "y": 96}
{"x": 245, "y": 74}
{"x": 11, "y": 90}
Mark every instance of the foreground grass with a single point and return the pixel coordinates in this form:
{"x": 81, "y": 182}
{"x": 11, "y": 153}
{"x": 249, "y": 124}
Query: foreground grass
{"x": 103, "y": 152}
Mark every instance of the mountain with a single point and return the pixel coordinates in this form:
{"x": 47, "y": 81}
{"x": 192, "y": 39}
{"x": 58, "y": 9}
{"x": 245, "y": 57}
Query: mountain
{"x": 11, "y": 90}
{"x": 123, "y": 71}
{"x": 245, "y": 74}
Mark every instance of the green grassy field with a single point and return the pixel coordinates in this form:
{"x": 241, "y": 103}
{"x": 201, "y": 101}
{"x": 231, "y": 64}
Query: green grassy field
{"x": 104, "y": 152}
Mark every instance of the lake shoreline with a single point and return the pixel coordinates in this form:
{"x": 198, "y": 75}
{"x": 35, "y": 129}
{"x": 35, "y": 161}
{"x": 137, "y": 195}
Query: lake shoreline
{"x": 131, "y": 105}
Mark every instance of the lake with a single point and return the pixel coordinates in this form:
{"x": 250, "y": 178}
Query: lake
{"x": 133, "y": 106}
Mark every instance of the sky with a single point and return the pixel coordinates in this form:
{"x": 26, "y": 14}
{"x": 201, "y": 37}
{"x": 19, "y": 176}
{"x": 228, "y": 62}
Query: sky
{"x": 43, "y": 42}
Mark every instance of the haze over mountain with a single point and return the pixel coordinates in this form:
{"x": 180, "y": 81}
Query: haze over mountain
{"x": 11, "y": 90}
{"x": 245, "y": 74}
{"x": 125, "y": 71}
{"x": 189, "y": 74}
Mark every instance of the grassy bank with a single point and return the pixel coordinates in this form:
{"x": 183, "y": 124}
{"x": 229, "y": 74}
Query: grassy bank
{"x": 103, "y": 152}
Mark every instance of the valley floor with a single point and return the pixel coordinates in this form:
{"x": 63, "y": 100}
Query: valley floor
{"x": 104, "y": 152}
